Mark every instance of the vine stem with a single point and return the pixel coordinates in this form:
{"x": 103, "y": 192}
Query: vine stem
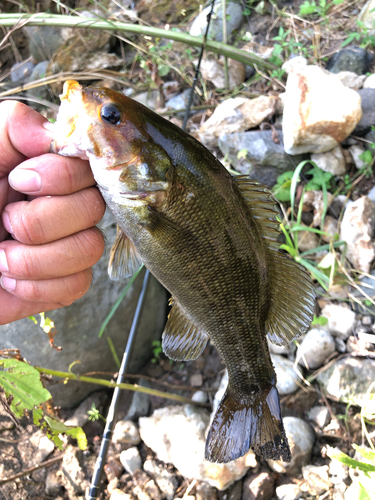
{"x": 113, "y": 384}
{"x": 44, "y": 19}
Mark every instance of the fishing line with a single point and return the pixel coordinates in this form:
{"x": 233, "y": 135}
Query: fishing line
{"x": 108, "y": 430}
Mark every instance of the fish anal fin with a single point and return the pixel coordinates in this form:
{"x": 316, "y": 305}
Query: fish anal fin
{"x": 248, "y": 421}
{"x": 292, "y": 294}
{"x": 124, "y": 259}
{"x": 182, "y": 341}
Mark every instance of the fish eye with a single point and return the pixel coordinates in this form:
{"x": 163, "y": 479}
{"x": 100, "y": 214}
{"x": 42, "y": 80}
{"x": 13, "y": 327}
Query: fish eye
{"x": 110, "y": 114}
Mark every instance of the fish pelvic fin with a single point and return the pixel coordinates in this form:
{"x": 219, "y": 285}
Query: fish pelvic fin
{"x": 182, "y": 340}
{"x": 292, "y": 299}
{"x": 124, "y": 259}
{"x": 244, "y": 421}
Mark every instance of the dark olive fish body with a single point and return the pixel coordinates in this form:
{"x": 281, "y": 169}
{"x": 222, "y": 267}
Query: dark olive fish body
{"x": 211, "y": 240}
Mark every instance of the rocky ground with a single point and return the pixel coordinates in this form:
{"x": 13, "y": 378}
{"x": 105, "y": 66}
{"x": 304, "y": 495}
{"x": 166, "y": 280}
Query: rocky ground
{"x": 318, "y": 106}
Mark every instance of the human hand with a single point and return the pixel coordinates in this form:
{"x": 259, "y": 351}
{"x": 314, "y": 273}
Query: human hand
{"x": 49, "y": 206}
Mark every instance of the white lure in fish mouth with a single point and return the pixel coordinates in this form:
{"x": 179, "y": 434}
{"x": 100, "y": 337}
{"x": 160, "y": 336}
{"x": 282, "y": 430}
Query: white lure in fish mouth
{"x": 71, "y": 139}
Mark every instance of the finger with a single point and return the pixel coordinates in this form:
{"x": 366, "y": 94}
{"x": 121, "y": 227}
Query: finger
{"x": 22, "y": 135}
{"x": 7, "y": 195}
{"x": 50, "y": 218}
{"x": 53, "y": 260}
{"x": 13, "y": 308}
{"x": 51, "y": 175}
{"x": 63, "y": 290}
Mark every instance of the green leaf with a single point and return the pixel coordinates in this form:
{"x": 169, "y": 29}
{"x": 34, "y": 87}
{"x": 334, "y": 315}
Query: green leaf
{"x": 32, "y": 318}
{"x": 242, "y": 154}
{"x": 22, "y": 382}
{"x": 307, "y": 8}
{"x": 346, "y": 460}
{"x": 321, "y": 321}
{"x": 366, "y": 157}
{"x": 58, "y": 427}
{"x": 163, "y": 70}
{"x": 367, "y": 454}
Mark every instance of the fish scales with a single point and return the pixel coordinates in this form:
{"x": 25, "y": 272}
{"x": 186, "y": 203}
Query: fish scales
{"x": 211, "y": 240}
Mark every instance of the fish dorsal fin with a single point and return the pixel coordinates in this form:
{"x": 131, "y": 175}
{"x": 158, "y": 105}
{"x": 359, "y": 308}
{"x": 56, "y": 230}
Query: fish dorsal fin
{"x": 182, "y": 341}
{"x": 124, "y": 259}
{"x": 292, "y": 291}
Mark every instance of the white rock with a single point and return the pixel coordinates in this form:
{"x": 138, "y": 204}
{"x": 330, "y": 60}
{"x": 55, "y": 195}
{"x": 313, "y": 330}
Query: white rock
{"x": 301, "y": 440}
{"x": 319, "y": 111}
{"x": 200, "y": 397}
{"x": 331, "y": 161}
{"x": 330, "y": 228}
{"x": 357, "y": 230}
{"x": 341, "y": 320}
{"x": 371, "y": 194}
{"x": 317, "y": 478}
{"x": 126, "y": 431}
{"x": 366, "y": 16}
{"x": 166, "y": 481}
{"x": 177, "y": 435}
{"x": 234, "y": 20}
{"x": 220, "y": 393}
{"x": 348, "y": 380}
{"x": 289, "y": 491}
{"x": 338, "y": 471}
{"x": 286, "y": 375}
{"x": 369, "y": 83}
{"x": 295, "y": 64}
{"x": 356, "y": 151}
{"x": 351, "y": 80}
{"x": 213, "y": 71}
{"x": 320, "y": 415}
{"x": 236, "y": 115}
{"x": 315, "y": 199}
{"x": 307, "y": 240}
{"x": 120, "y": 495}
{"x": 281, "y": 349}
{"x": 131, "y": 460}
{"x": 315, "y": 348}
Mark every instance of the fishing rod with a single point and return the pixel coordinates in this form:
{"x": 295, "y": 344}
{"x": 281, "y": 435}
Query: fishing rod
{"x": 125, "y": 363}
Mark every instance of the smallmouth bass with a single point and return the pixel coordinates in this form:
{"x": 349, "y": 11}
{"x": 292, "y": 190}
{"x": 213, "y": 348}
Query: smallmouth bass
{"x": 211, "y": 240}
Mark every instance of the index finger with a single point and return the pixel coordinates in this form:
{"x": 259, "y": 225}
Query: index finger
{"x": 22, "y": 135}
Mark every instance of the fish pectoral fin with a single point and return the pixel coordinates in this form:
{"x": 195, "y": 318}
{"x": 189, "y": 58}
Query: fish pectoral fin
{"x": 244, "y": 421}
{"x": 292, "y": 298}
{"x": 160, "y": 225}
{"x": 182, "y": 341}
{"x": 124, "y": 259}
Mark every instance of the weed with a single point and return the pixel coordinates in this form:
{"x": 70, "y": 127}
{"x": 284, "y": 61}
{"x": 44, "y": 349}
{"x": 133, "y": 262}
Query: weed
{"x": 23, "y": 388}
{"x": 281, "y": 190}
{"x": 284, "y": 47}
{"x": 157, "y": 351}
{"x": 362, "y": 487}
{"x": 94, "y": 414}
{"x": 320, "y": 9}
{"x": 247, "y": 6}
{"x": 325, "y": 271}
{"x": 364, "y": 37}
{"x": 320, "y": 179}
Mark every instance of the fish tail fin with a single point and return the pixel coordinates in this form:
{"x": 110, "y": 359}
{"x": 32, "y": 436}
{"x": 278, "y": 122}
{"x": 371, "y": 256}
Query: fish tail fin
{"x": 244, "y": 421}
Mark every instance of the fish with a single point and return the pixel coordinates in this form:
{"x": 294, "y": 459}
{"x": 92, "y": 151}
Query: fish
{"x": 211, "y": 239}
